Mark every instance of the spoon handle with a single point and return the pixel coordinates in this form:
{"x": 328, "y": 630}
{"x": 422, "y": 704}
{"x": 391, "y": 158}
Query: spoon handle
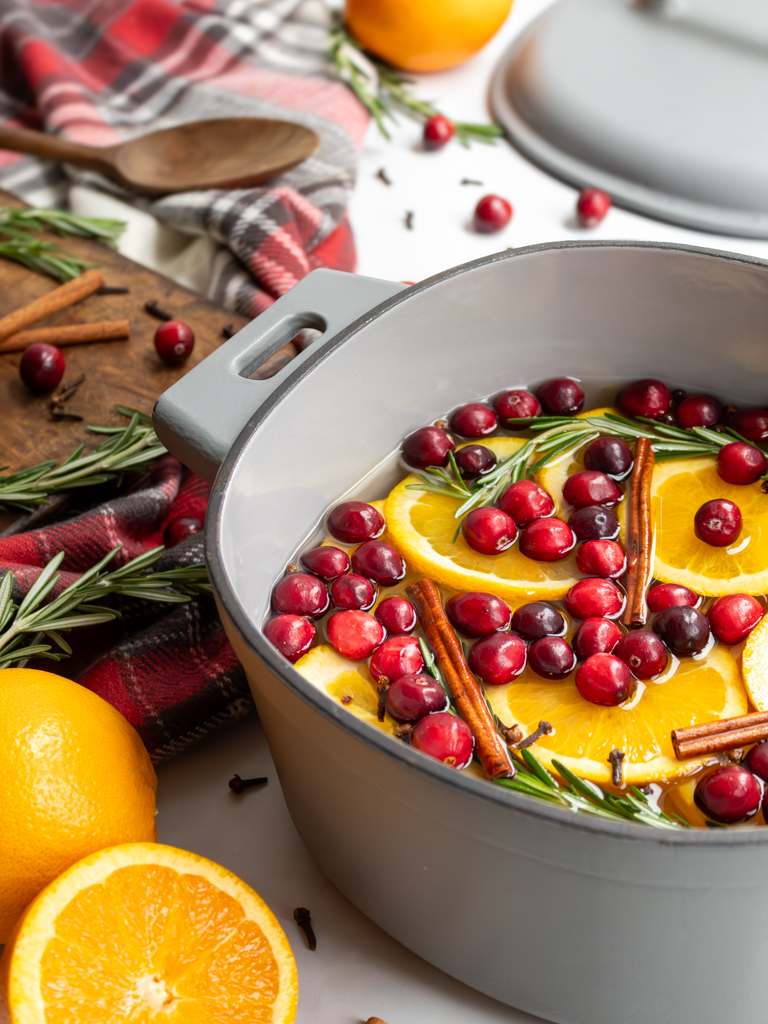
{"x": 21, "y": 140}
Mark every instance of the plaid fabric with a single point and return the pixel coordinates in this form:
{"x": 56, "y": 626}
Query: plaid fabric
{"x": 99, "y": 71}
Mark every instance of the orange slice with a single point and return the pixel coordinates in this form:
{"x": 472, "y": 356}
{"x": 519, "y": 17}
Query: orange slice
{"x": 754, "y": 665}
{"x": 347, "y": 682}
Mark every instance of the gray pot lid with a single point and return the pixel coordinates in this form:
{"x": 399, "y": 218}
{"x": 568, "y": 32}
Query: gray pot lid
{"x": 662, "y": 104}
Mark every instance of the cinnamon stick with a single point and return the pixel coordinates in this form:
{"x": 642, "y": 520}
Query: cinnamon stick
{"x": 644, "y": 569}
{"x": 464, "y": 688}
{"x": 65, "y": 295}
{"x": 722, "y": 734}
{"x": 633, "y": 538}
{"x": 69, "y": 334}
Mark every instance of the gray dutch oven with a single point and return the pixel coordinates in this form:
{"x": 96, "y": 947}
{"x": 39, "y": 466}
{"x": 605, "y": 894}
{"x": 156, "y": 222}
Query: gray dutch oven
{"x": 572, "y": 918}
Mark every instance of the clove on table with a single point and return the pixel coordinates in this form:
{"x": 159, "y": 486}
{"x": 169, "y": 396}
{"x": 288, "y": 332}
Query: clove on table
{"x": 156, "y": 311}
{"x": 303, "y": 919}
{"x": 238, "y": 785}
{"x": 58, "y": 412}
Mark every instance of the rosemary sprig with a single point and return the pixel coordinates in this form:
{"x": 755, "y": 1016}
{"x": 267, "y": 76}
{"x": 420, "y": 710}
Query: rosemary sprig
{"x": 18, "y": 243}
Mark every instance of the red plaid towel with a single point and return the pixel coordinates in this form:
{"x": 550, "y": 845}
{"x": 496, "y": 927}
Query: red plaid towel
{"x": 99, "y": 71}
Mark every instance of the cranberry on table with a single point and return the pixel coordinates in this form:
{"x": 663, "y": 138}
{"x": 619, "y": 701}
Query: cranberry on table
{"x": 526, "y": 501}
{"x": 41, "y": 368}
{"x": 428, "y": 446}
{"x": 670, "y": 595}
{"x": 592, "y": 206}
{"x": 718, "y": 522}
{"x": 492, "y": 213}
{"x": 547, "y": 540}
{"x": 733, "y": 617}
{"x": 609, "y": 455}
{"x": 698, "y": 411}
{"x": 591, "y": 488}
{"x": 516, "y": 404}
{"x": 353, "y": 522}
{"x": 593, "y": 598}
{"x": 757, "y": 760}
{"x": 728, "y": 794}
{"x": 604, "y": 679}
{"x": 595, "y": 636}
{"x": 473, "y": 460}
{"x": 478, "y": 614}
{"x": 684, "y": 630}
{"x": 397, "y": 615}
{"x": 414, "y": 695}
{"x": 643, "y": 652}
{"x": 290, "y": 634}
{"x": 174, "y": 342}
{"x": 489, "y": 530}
{"x": 474, "y": 420}
{"x": 378, "y": 561}
{"x": 353, "y": 591}
{"x": 561, "y": 397}
{"x": 397, "y": 656}
{"x": 354, "y": 634}
{"x": 603, "y": 558}
{"x": 444, "y": 737}
{"x": 750, "y": 423}
{"x": 537, "y": 619}
{"x": 180, "y": 528}
{"x": 741, "y": 463}
{"x": 593, "y": 522}
{"x": 551, "y": 657}
{"x": 326, "y": 562}
{"x": 301, "y": 594}
{"x": 438, "y": 130}
{"x": 498, "y": 658}
{"x": 649, "y": 398}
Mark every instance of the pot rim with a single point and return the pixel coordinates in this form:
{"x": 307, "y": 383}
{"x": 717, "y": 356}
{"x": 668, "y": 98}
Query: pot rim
{"x": 374, "y": 738}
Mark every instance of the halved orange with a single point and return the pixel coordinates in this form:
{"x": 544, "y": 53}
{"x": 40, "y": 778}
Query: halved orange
{"x": 347, "y": 682}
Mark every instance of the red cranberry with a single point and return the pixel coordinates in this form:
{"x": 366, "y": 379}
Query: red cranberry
{"x": 547, "y": 540}
{"x": 757, "y": 760}
{"x": 180, "y": 528}
{"x": 609, "y": 455}
{"x": 750, "y": 423}
{"x": 594, "y": 597}
{"x": 537, "y": 619}
{"x": 397, "y": 615}
{"x": 498, "y": 658}
{"x": 445, "y": 737}
{"x": 526, "y": 501}
{"x": 438, "y": 130}
{"x": 427, "y": 447}
{"x": 473, "y": 460}
{"x": 718, "y": 522}
{"x": 474, "y": 420}
{"x": 301, "y": 594}
{"x": 516, "y": 405}
{"x": 397, "y": 656}
{"x": 492, "y": 213}
{"x": 670, "y": 595}
{"x": 41, "y": 368}
{"x": 733, "y": 617}
{"x": 649, "y": 398}
{"x": 290, "y": 634}
{"x": 412, "y": 696}
{"x": 353, "y": 591}
{"x": 489, "y": 530}
{"x": 595, "y": 636}
{"x": 354, "y": 634}
{"x": 353, "y": 522}
{"x": 604, "y": 679}
{"x": 684, "y": 630}
{"x": 379, "y": 562}
{"x": 593, "y": 522}
{"x": 551, "y": 657}
{"x": 741, "y": 463}
{"x": 561, "y": 397}
{"x": 478, "y": 614}
{"x": 326, "y": 562}
{"x": 592, "y": 206}
{"x": 698, "y": 411}
{"x": 174, "y": 342}
{"x": 591, "y": 488}
{"x": 603, "y": 558}
{"x": 728, "y": 794}
{"x": 645, "y": 654}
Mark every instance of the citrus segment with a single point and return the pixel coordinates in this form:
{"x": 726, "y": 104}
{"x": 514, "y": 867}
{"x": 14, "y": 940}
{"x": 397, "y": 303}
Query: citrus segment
{"x": 347, "y": 682}
{"x": 754, "y": 665}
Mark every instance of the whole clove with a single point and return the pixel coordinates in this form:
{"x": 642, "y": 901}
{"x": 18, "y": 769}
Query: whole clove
{"x": 616, "y": 757}
{"x": 544, "y": 729}
{"x": 58, "y": 412}
{"x": 409, "y": 219}
{"x": 156, "y": 311}
{"x": 381, "y": 174}
{"x": 227, "y": 331}
{"x": 238, "y": 785}
{"x": 108, "y": 289}
{"x": 303, "y": 919}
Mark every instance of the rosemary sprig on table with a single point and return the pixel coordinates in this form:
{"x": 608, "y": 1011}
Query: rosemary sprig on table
{"x": 18, "y": 243}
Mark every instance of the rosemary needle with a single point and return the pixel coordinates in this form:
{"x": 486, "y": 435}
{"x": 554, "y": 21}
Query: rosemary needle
{"x": 19, "y": 243}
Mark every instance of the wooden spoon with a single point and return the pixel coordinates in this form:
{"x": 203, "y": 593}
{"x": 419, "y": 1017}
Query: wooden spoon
{"x": 231, "y": 152}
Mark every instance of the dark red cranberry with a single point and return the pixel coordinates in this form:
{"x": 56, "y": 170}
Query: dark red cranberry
{"x": 474, "y": 420}
{"x": 478, "y": 614}
{"x": 498, "y": 658}
{"x": 537, "y": 619}
{"x": 397, "y": 615}
{"x": 741, "y": 463}
{"x": 733, "y": 617}
{"x": 526, "y": 501}
{"x": 592, "y": 206}
{"x": 412, "y": 696}
{"x": 354, "y": 634}
{"x": 593, "y": 522}
{"x": 174, "y": 342}
{"x": 547, "y": 540}
{"x": 492, "y": 213}
{"x": 750, "y": 423}
{"x": 427, "y": 447}
{"x": 592, "y": 598}
{"x": 603, "y": 558}
{"x": 290, "y": 634}
{"x": 551, "y": 657}
{"x": 591, "y": 488}
{"x": 326, "y": 562}
{"x": 718, "y": 522}
{"x": 353, "y": 591}
{"x": 301, "y": 594}
{"x": 180, "y": 528}
{"x": 698, "y": 411}
{"x": 473, "y": 460}
{"x": 645, "y": 654}
{"x": 41, "y": 368}
{"x": 757, "y": 760}
{"x": 595, "y": 636}
{"x": 438, "y": 130}
{"x": 489, "y": 530}
{"x": 649, "y": 398}
{"x": 353, "y": 522}
{"x": 516, "y": 405}
{"x": 561, "y": 397}
{"x": 684, "y": 630}
{"x": 378, "y": 561}
{"x": 397, "y": 656}
{"x": 604, "y": 679}
{"x": 728, "y": 794}
{"x": 671, "y": 595}
{"x": 445, "y": 737}
{"x": 609, "y": 455}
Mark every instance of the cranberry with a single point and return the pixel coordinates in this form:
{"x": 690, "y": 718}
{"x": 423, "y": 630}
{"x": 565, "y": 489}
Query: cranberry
{"x": 757, "y": 760}
{"x": 290, "y": 634}
{"x": 445, "y": 737}
{"x": 750, "y": 423}
{"x": 591, "y": 488}
{"x": 353, "y": 591}
{"x": 603, "y": 558}
{"x": 478, "y": 614}
{"x": 698, "y": 411}
{"x": 492, "y": 213}
{"x": 645, "y": 654}
{"x": 516, "y": 405}
{"x": 397, "y": 656}
{"x": 412, "y": 696}
{"x": 609, "y": 455}
{"x": 595, "y": 636}
{"x": 551, "y": 657}
{"x": 604, "y": 679}
{"x": 489, "y": 530}
{"x": 427, "y": 447}
{"x": 670, "y": 595}
{"x": 379, "y": 562}
{"x": 174, "y": 342}
{"x": 397, "y": 615}
{"x": 473, "y": 460}
{"x": 741, "y": 463}
{"x": 354, "y": 634}
{"x": 718, "y": 522}
{"x": 728, "y": 794}
{"x": 326, "y": 562}
{"x": 353, "y": 522}
{"x": 561, "y": 397}
{"x": 593, "y": 522}
{"x": 180, "y": 528}
{"x": 301, "y": 594}
{"x": 537, "y": 619}
{"x": 594, "y": 597}
{"x": 547, "y": 540}
{"x": 649, "y": 398}
{"x": 684, "y": 630}
{"x": 526, "y": 501}
{"x": 41, "y": 368}
{"x": 733, "y": 617}
{"x": 592, "y": 206}
{"x": 474, "y": 420}
{"x": 498, "y": 658}
{"x": 438, "y": 130}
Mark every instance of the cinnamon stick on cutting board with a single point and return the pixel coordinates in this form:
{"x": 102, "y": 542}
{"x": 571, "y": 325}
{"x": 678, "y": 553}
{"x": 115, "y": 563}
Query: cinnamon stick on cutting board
{"x": 65, "y": 295}
{"x": 69, "y": 334}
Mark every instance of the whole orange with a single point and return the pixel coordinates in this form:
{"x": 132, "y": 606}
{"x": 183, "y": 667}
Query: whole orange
{"x": 425, "y": 35}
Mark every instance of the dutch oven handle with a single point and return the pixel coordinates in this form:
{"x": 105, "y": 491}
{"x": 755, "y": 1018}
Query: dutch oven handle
{"x": 199, "y": 418}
